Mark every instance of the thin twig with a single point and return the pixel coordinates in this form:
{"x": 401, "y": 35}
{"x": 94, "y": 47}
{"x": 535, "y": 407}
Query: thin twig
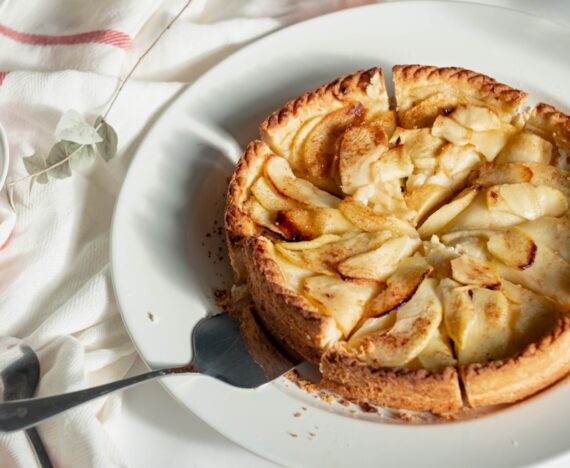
{"x": 12, "y": 183}
{"x": 140, "y": 59}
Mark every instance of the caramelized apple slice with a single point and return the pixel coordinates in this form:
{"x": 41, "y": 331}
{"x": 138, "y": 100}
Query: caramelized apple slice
{"x": 269, "y": 198}
{"x": 294, "y": 274}
{"x": 325, "y": 258}
{"x": 311, "y": 244}
{"x": 478, "y": 216}
{"x": 551, "y": 232}
{"x": 394, "y": 164}
{"x": 458, "y": 310}
{"x": 416, "y": 323}
{"x": 296, "y": 148}
{"x": 419, "y": 142}
{"x": 425, "y": 112}
{"x": 400, "y": 287}
{"x": 513, "y": 247}
{"x": 526, "y": 147}
{"x": 457, "y": 161}
{"x": 260, "y": 216}
{"x": 300, "y": 223}
{"x": 424, "y": 198}
{"x": 534, "y": 314}
{"x": 475, "y": 271}
{"x": 450, "y": 130}
{"x": 342, "y": 300}
{"x": 366, "y": 219}
{"x": 281, "y": 176}
{"x": 444, "y": 215}
{"x": 318, "y": 151}
{"x": 359, "y": 147}
{"x": 491, "y": 142}
{"x": 478, "y": 118}
{"x": 437, "y": 354}
{"x": 490, "y": 334}
{"x": 386, "y": 120}
{"x": 526, "y": 200}
{"x": 381, "y": 262}
{"x": 549, "y": 275}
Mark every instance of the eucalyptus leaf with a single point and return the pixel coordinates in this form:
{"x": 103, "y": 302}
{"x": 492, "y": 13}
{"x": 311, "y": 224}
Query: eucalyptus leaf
{"x": 84, "y": 156}
{"x": 34, "y": 163}
{"x": 58, "y": 154}
{"x": 107, "y": 148}
{"x": 73, "y": 127}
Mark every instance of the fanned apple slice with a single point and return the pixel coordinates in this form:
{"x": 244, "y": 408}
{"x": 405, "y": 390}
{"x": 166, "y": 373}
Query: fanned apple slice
{"x": 269, "y": 198}
{"x": 424, "y": 198}
{"x": 444, "y": 215}
{"x": 551, "y": 232}
{"x": 296, "y": 147}
{"x": 319, "y": 149}
{"x": 490, "y": 333}
{"x": 549, "y": 275}
{"x": 475, "y": 271}
{"x": 394, "y": 164}
{"x": 491, "y": 142}
{"x": 534, "y": 314}
{"x": 425, "y": 112}
{"x": 419, "y": 142}
{"x": 260, "y": 215}
{"x": 366, "y": 219}
{"x": 325, "y": 258}
{"x": 526, "y": 147}
{"x": 359, "y": 147}
{"x": 285, "y": 182}
{"x": 312, "y": 244}
{"x": 301, "y": 223}
{"x": 400, "y": 286}
{"x": 457, "y": 161}
{"x": 342, "y": 300}
{"x": 416, "y": 323}
{"x": 477, "y": 216}
{"x": 294, "y": 274}
{"x": 526, "y": 200}
{"x": 517, "y": 172}
{"x": 513, "y": 247}
{"x": 458, "y": 310}
{"x": 381, "y": 262}
{"x": 478, "y": 118}
{"x": 437, "y": 354}
{"x": 450, "y": 130}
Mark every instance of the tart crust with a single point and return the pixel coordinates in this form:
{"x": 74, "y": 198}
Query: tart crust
{"x": 549, "y": 123}
{"x": 413, "y": 82}
{"x": 418, "y": 390}
{"x": 365, "y": 86}
{"x": 286, "y": 314}
{"x": 517, "y": 378}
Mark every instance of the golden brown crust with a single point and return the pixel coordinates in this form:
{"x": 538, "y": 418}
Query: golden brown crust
{"x": 364, "y": 86}
{"x": 416, "y": 82}
{"x": 550, "y": 123}
{"x": 541, "y": 364}
{"x": 286, "y": 314}
{"x": 417, "y": 390}
{"x": 237, "y": 224}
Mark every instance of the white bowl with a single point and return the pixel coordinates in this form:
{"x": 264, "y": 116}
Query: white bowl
{"x": 4, "y": 157}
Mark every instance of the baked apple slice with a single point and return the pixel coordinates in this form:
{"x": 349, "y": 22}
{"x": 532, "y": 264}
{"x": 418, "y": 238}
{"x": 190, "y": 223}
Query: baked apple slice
{"x": 526, "y": 147}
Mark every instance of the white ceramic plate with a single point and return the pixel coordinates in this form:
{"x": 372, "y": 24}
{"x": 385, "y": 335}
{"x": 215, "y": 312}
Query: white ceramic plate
{"x": 165, "y": 263}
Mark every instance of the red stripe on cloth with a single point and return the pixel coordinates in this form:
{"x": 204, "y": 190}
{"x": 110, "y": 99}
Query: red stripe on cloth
{"x": 114, "y": 38}
{"x": 3, "y": 77}
{"x": 8, "y": 239}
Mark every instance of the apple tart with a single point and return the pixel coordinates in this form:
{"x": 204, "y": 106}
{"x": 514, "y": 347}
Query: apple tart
{"x": 416, "y": 248}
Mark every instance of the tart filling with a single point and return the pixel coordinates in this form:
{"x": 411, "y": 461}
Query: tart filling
{"x": 405, "y": 249}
